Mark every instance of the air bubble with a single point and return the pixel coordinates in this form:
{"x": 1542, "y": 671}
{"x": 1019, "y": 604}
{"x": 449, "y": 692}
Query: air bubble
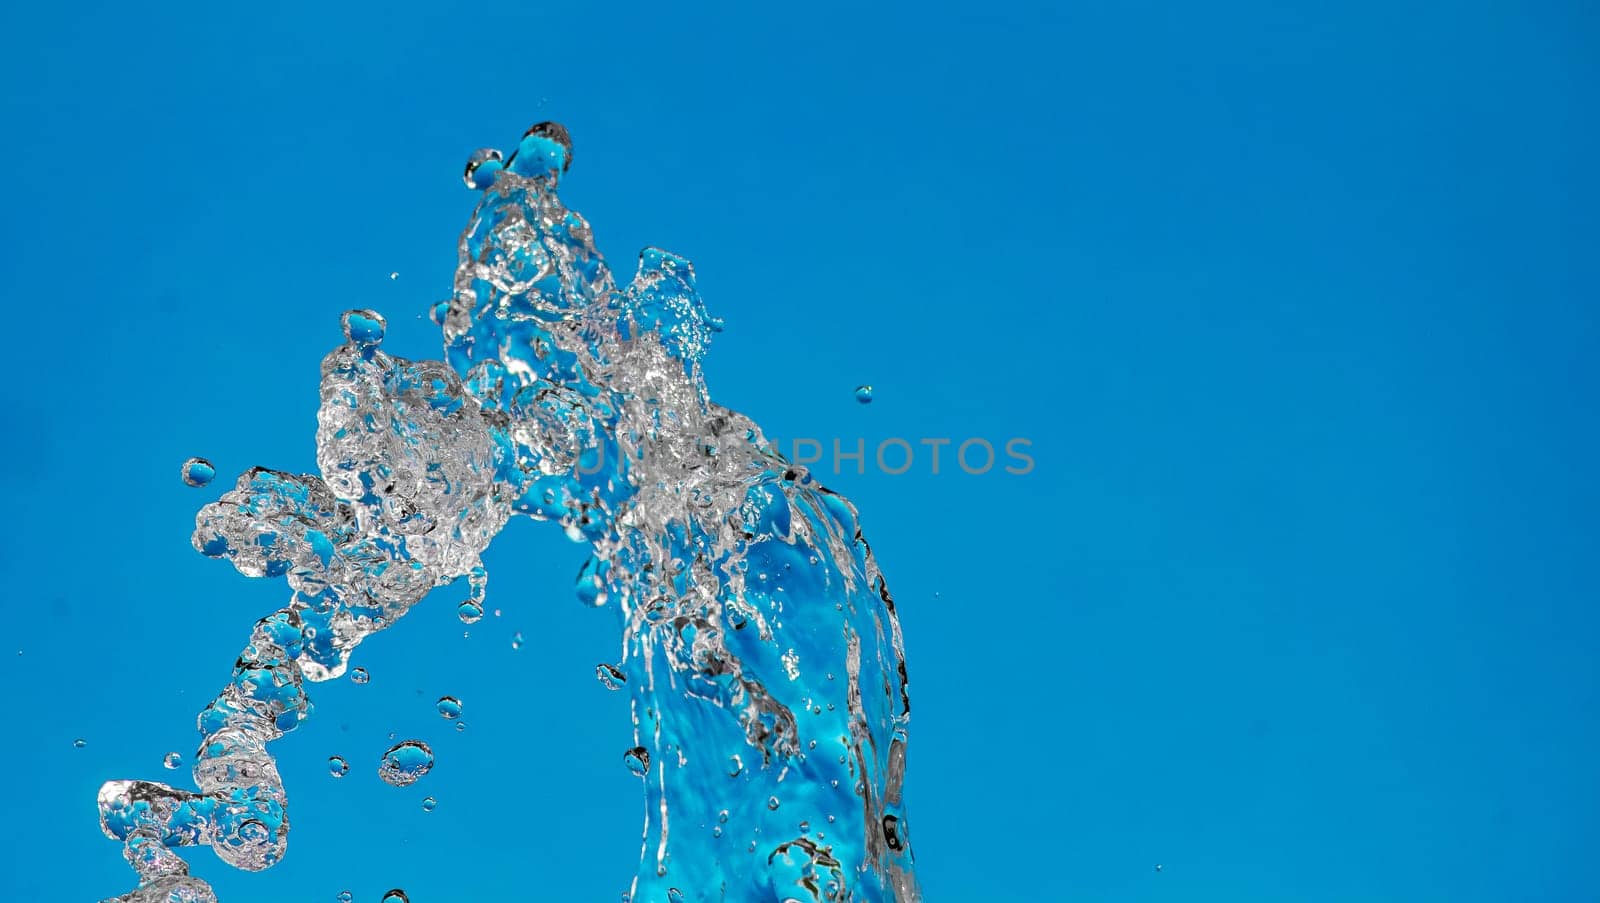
{"x": 198, "y": 472}
{"x": 481, "y": 168}
{"x": 172, "y": 761}
{"x": 429, "y": 804}
{"x": 337, "y": 766}
{"x": 469, "y": 612}
{"x": 360, "y": 676}
{"x": 449, "y": 707}
{"x": 405, "y": 762}
{"x": 345, "y": 897}
{"x": 772, "y": 803}
{"x": 864, "y": 394}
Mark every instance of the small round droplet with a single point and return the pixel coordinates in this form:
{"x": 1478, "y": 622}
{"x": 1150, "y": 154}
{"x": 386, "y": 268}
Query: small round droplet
{"x": 79, "y": 744}
{"x": 345, "y": 896}
{"x": 405, "y": 762}
{"x": 198, "y": 472}
{"x": 674, "y": 895}
{"x": 610, "y": 676}
{"x": 864, "y": 394}
{"x": 393, "y": 276}
{"x": 460, "y": 726}
{"x": 481, "y": 168}
{"x": 429, "y": 803}
{"x": 396, "y": 896}
{"x": 364, "y": 328}
{"x": 516, "y": 640}
{"x": 772, "y": 803}
{"x": 805, "y": 827}
{"x": 360, "y": 676}
{"x": 637, "y": 760}
{"x": 172, "y": 761}
{"x": 469, "y": 612}
{"x": 449, "y": 707}
{"x": 337, "y": 766}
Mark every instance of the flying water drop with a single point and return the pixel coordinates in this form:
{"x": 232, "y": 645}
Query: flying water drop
{"x": 864, "y": 394}
{"x": 449, "y": 707}
{"x": 481, "y": 168}
{"x": 405, "y": 762}
{"x": 78, "y": 743}
{"x": 429, "y": 804}
{"x": 338, "y": 767}
{"x": 396, "y": 896}
{"x": 359, "y": 676}
{"x": 198, "y": 472}
{"x": 637, "y": 760}
{"x": 172, "y": 761}
{"x": 469, "y": 612}
{"x": 516, "y": 640}
{"x": 610, "y": 676}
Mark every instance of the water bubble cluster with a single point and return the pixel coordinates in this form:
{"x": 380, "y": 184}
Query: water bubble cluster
{"x": 736, "y": 579}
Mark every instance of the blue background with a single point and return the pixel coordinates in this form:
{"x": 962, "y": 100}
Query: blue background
{"x": 1297, "y": 306}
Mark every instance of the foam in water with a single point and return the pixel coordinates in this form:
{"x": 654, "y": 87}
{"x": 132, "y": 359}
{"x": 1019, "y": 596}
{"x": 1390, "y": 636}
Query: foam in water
{"x": 760, "y": 646}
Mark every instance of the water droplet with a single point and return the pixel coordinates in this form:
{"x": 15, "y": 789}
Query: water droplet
{"x": 591, "y": 590}
{"x": 772, "y": 803}
{"x": 674, "y": 895}
{"x": 172, "y": 761}
{"x": 345, "y": 896}
{"x": 429, "y": 803}
{"x": 364, "y": 328}
{"x": 198, "y": 472}
{"x": 864, "y": 394}
{"x": 396, "y": 896}
{"x": 360, "y": 676}
{"x": 405, "y": 762}
{"x": 805, "y": 827}
{"x": 393, "y": 276}
{"x": 469, "y": 612}
{"x": 338, "y": 767}
{"x": 460, "y": 726}
{"x": 545, "y": 150}
{"x": 735, "y": 765}
{"x": 79, "y": 744}
{"x": 516, "y": 640}
{"x": 717, "y": 324}
{"x": 481, "y": 168}
{"x": 637, "y": 760}
{"x": 892, "y": 832}
{"x": 1158, "y": 866}
{"x": 716, "y": 830}
{"x": 449, "y": 707}
{"x": 722, "y": 817}
{"x": 610, "y": 676}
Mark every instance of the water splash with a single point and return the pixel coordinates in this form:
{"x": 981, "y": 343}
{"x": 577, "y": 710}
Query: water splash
{"x": 743, "y": 586}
